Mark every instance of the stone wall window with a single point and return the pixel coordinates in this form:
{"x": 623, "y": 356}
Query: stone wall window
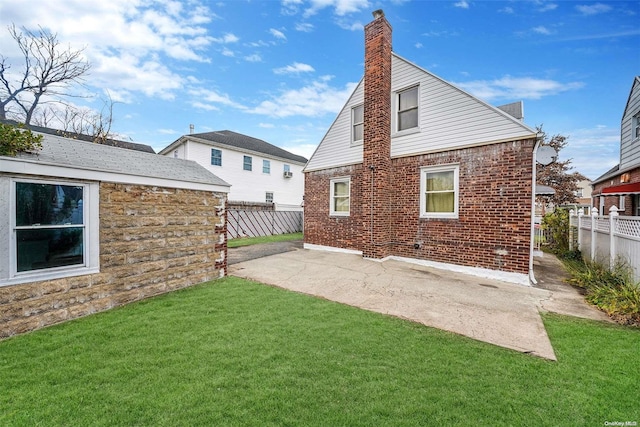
{"x": 52, "y": 232}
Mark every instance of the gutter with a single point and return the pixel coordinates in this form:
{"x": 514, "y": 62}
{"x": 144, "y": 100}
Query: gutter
{"x": 534, "y": 161}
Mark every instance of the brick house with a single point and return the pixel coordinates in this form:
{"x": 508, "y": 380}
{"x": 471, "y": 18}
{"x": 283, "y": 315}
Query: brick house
{"x": 413, "y": 168}
{"x": 85, "y": 227}
{"x": 620, "y": 186}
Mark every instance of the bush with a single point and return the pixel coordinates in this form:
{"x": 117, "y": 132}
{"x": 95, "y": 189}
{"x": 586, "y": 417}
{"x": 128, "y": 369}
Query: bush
{"x": 14, "y": 139}
{"x": 556, "y": 224}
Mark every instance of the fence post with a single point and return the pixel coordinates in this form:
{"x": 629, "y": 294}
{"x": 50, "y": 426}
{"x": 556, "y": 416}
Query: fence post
{"x": 571, "y": 215}
{"x": 580, "y": 215}
{"x": 594, "y": 221}
{"x": 613, "y": 217}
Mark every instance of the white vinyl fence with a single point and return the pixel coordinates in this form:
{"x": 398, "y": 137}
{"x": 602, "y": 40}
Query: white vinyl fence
{"x": 607, "y": 239}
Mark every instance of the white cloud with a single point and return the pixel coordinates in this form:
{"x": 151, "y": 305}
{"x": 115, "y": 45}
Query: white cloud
{"x": 313, "y": 100}
{"x": 542, "y": 30}
{"x": 295, "y": 68}
{"x": 340, "y": 7}
{"x": 517, "y": 88}
{"x": 207, "y": 97}
{"x": 593, "y": 9}
{"x": 304, "y": 27}
{"x": 508, "y": 10}
{"x": 547, "y": 7}
{"x": 593, "y": 151}
{"x": 253, "y": 58}
{"x": 277, "y": 34}
{"x": 266, "y": 125}
{"x": 462, "y": 4}
{"x": 227, "y": 38}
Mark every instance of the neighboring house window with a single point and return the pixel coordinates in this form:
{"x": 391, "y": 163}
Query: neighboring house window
{"x": 621, "y": 204}
{"x": 266, "y": 166}
{"x": 407, "y": 101}
{"x": 287, "y": 168}
{"x": 53, "y": 233}
{"x": 357, "y": 120}
{"x": 578, "y": 192}
{"x": 246, "y": 164}
{"x": 268, "y": 197}
{"x": 636, "y": 205}
{"x": 340, "y": 196}
{"x": 636, "y": 126}
{"x": 439, "y": 191}
{"x": 175, "y": 154}
{"x": 216, "y": 157}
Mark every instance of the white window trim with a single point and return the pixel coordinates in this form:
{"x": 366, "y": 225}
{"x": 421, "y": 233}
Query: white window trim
{"x": 266, "y": 163}
{"x": 91, "y": 245}
{"x": 394, "y": 117}
{"x": 211, "y": 157}
{"x": 353, "y": 124}
{"x": 621, "y": 204}
{"x": 244, "y": 163}
{"x": 332, "y": 183}
{"x": 635, "y": 125}
{"x": 455, "y": 167}
{"x": 266, "y": 196}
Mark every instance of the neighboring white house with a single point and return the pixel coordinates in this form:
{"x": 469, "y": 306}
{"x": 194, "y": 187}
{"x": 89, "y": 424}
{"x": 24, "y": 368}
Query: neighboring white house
{"x": 257, "y": 171}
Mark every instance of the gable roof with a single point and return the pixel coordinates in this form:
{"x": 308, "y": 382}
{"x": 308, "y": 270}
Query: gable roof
{"x": 239, "y": 141}
{"x": 636, "y": 82}
{"x": 450, "y": 118}
{"x": 113, "y": 164}
{"x": 82, "y": 137}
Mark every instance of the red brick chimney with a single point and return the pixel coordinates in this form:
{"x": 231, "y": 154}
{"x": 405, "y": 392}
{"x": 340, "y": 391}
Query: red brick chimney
{"x": 376, "y": 194}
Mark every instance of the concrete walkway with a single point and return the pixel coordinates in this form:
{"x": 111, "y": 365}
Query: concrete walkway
{"x": 492, "y": 311}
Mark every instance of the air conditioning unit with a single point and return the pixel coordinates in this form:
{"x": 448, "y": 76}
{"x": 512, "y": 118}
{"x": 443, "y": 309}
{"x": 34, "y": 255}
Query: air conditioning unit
{"x": 288, "y": 174}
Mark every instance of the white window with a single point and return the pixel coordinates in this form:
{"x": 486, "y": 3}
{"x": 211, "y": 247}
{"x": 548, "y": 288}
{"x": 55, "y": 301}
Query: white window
{"x": 246, "y": 163}
{"x": 216, "y": 157}
{"x": 621, "y": 204}
{"x": 407, "y": 109}
{"x": 340, "y": 198}
{"x": 286, "y": 168}
{"x": 439, "y": 192}
{"x": 268, "y": 197}
{"x": 54, "y": 230}
{"x": 357, "y": 124}
{"x": 266, "y": 166}
{"x": 636, "y": 126}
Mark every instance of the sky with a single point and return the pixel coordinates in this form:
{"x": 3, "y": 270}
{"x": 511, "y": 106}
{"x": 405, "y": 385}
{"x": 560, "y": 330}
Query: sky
{"x": 282, "y": 70}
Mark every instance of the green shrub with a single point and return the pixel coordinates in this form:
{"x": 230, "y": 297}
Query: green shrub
{"x": 556, "y": 224}
{"x": 14, "y": 139}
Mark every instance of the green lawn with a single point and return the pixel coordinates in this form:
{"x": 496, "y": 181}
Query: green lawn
{"x": 233, "y": 352}
{"x": 246, "y": 241}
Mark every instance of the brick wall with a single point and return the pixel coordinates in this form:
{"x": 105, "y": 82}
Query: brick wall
{"x": 494, "y": 224}
{"x": 152, "y": 240}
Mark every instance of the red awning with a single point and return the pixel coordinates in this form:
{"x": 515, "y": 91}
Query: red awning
{"x": 633, "y": 188}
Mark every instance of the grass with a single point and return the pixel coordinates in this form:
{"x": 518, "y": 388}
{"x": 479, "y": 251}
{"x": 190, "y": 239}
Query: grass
{"x": 246, "y": 241}
{"x": 233, "y": 352}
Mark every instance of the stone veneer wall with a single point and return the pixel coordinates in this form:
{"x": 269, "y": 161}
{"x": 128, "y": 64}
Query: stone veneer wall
{"x": 152, "y": 240}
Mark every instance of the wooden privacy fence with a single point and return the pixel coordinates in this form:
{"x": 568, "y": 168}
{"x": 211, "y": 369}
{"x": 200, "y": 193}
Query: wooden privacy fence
{"x": 254, "y": 223}
{"x": 607, "y": 239}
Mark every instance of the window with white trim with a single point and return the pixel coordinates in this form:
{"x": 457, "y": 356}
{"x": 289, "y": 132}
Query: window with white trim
{"x": 266, "y": 166}
{"x": 439, "y": 191}
{"x": 621, "y": 203}
{"x": 53, "y": 233}
{"x": 268, "y": 197}
{"x": 636, "y": 127}
{"x": 357, "y": 124}
{"x": 340, "y": 197}
{"x": 407, "y": 109}
{"x": 246, "y": 163}
{"x": 216, "y": 157}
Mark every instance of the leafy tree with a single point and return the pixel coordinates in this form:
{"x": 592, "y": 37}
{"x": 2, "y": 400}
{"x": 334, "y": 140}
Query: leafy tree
{"x": 558, "y": 175}
{"x": 15, "y": 139}
{"x": 47, "y": 70}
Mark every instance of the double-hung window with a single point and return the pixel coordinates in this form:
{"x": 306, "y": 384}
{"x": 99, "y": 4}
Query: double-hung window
{"x": 357, "y": 124}
{"x": 246, "y": 163}
{"x": 407, "y": 109}
{"x": 636, "y": 127}
{"x": 439, "y": 192}
{"x": 54, "y": 230}
{"x": 340, "y": 196}
{"x": 266, "y": 166}
{"x": 268, "y": 197}
{"x": 216, "y": 157}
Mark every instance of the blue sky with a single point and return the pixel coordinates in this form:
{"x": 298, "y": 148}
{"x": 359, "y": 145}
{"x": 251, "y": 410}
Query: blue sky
{"x": 281, "y": 70}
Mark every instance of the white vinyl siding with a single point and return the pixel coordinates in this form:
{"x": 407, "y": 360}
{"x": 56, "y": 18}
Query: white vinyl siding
{"x": 629, "y": 144}
{"x": 449, "y": 118}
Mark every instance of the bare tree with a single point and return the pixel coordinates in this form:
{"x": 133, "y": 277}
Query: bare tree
{"x": 48, "y": 70}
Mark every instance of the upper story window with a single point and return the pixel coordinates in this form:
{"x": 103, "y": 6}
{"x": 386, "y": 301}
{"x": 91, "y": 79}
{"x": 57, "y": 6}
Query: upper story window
{"x": 286, "y": 168}
{"x": 266, "y": 166}
{"x": 357, "y": 124}
{"x": 340, "y": 198}
{"x": 216, "y": 157}
{"x": 439, "y": 191}
{"x": 175, "y": 154}
{"x": 54, "y": 230}
{"x": 578, "y": 192}
{"x": 636, "y": 126}
{"x": 246, "y": 163}
{"x": 407, "y": 102}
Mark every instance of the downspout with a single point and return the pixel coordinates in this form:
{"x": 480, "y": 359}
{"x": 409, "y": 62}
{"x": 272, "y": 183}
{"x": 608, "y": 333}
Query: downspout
{"x": 532, "y": 278}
